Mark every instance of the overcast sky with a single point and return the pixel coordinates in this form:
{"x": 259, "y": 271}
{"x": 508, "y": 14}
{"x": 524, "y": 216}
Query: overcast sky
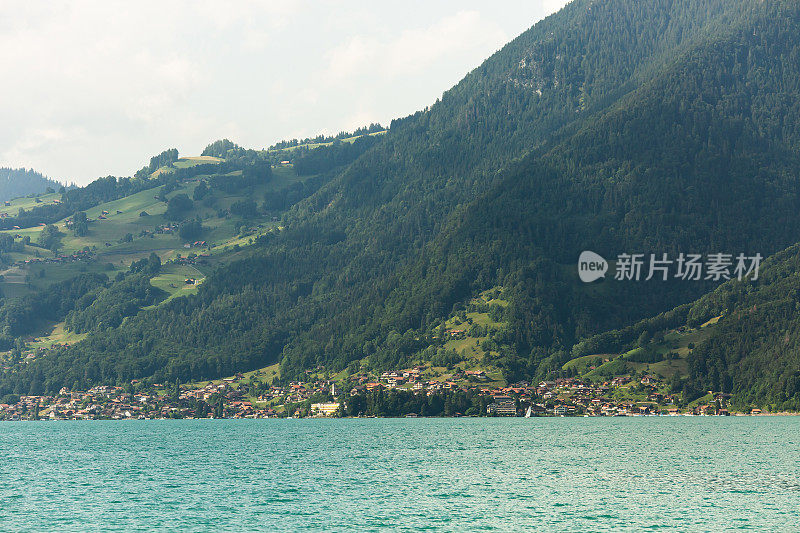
{"x": 93, "y": 88}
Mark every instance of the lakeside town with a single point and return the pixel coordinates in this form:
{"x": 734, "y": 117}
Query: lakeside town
{"x": 399, "y": 393}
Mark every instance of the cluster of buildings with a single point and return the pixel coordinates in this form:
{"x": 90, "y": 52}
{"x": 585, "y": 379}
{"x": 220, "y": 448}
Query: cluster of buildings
{"x": 81, "y": 255}
{"x": 118, "y": 403}
{"x": 572, "y": 396}
{"x": 234, "y": 398}
{"x": 412, "y": 379}
{"x": 96, "y": 403}
{"x": 559, "y": 397}
{"x": 167, "y": 229}
{"x": 192, "y": 259}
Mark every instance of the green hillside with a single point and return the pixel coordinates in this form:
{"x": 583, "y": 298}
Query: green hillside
{"x": 740, "y": 339}
{"x": 678, "y": 134}
{"x": 753, "y": 353}
{"x": 118, "y": 236}
{"x": 126, "y": 230}
{"x": 665, "y": 357}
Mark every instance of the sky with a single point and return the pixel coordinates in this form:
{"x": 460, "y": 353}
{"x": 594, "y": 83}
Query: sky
{"x": 95, "y": 88}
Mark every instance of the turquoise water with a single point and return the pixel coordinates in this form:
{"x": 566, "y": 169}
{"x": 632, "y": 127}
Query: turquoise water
{"x": 542, "y": 474}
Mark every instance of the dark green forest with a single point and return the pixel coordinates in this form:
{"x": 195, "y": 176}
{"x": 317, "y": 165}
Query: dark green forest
{"x": 654, "y": 126}
{"x": 755, "y": 351}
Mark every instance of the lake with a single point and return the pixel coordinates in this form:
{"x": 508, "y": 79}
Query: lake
{"x": 456, "y": 474}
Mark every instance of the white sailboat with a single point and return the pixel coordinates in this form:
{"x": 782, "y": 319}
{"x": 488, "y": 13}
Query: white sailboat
{"x": 528, "y": 412}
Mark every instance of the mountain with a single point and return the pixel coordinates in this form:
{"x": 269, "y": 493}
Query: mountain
{"x": 753, "y": 352}
{"x": 740, "y": 340}
{"x": 619, "y": 126}
{"x": 17, "y": 182}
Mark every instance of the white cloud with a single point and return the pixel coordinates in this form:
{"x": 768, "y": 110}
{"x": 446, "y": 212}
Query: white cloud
{"x": 33, "y": 140}
{"x": 465, "y": 31}
{"x": 416, "y": 49}
{"x": 351, "y": 57}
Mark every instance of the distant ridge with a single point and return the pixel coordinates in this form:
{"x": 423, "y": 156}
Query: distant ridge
{"x": 16, "y": 182}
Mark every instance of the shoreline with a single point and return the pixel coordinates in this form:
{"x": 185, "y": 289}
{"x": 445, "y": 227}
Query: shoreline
{"x": 732, "y": 415}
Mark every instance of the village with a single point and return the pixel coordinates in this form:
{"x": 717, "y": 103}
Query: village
{"x": 80, "y": 255}
{"x": 245, "y": 397}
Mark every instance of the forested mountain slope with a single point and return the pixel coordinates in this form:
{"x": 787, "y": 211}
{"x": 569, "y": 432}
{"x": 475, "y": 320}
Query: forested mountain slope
{"x": 742, "y": 340}
{"x": 754, "y": 353}
{"x": 618, "y": 126}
